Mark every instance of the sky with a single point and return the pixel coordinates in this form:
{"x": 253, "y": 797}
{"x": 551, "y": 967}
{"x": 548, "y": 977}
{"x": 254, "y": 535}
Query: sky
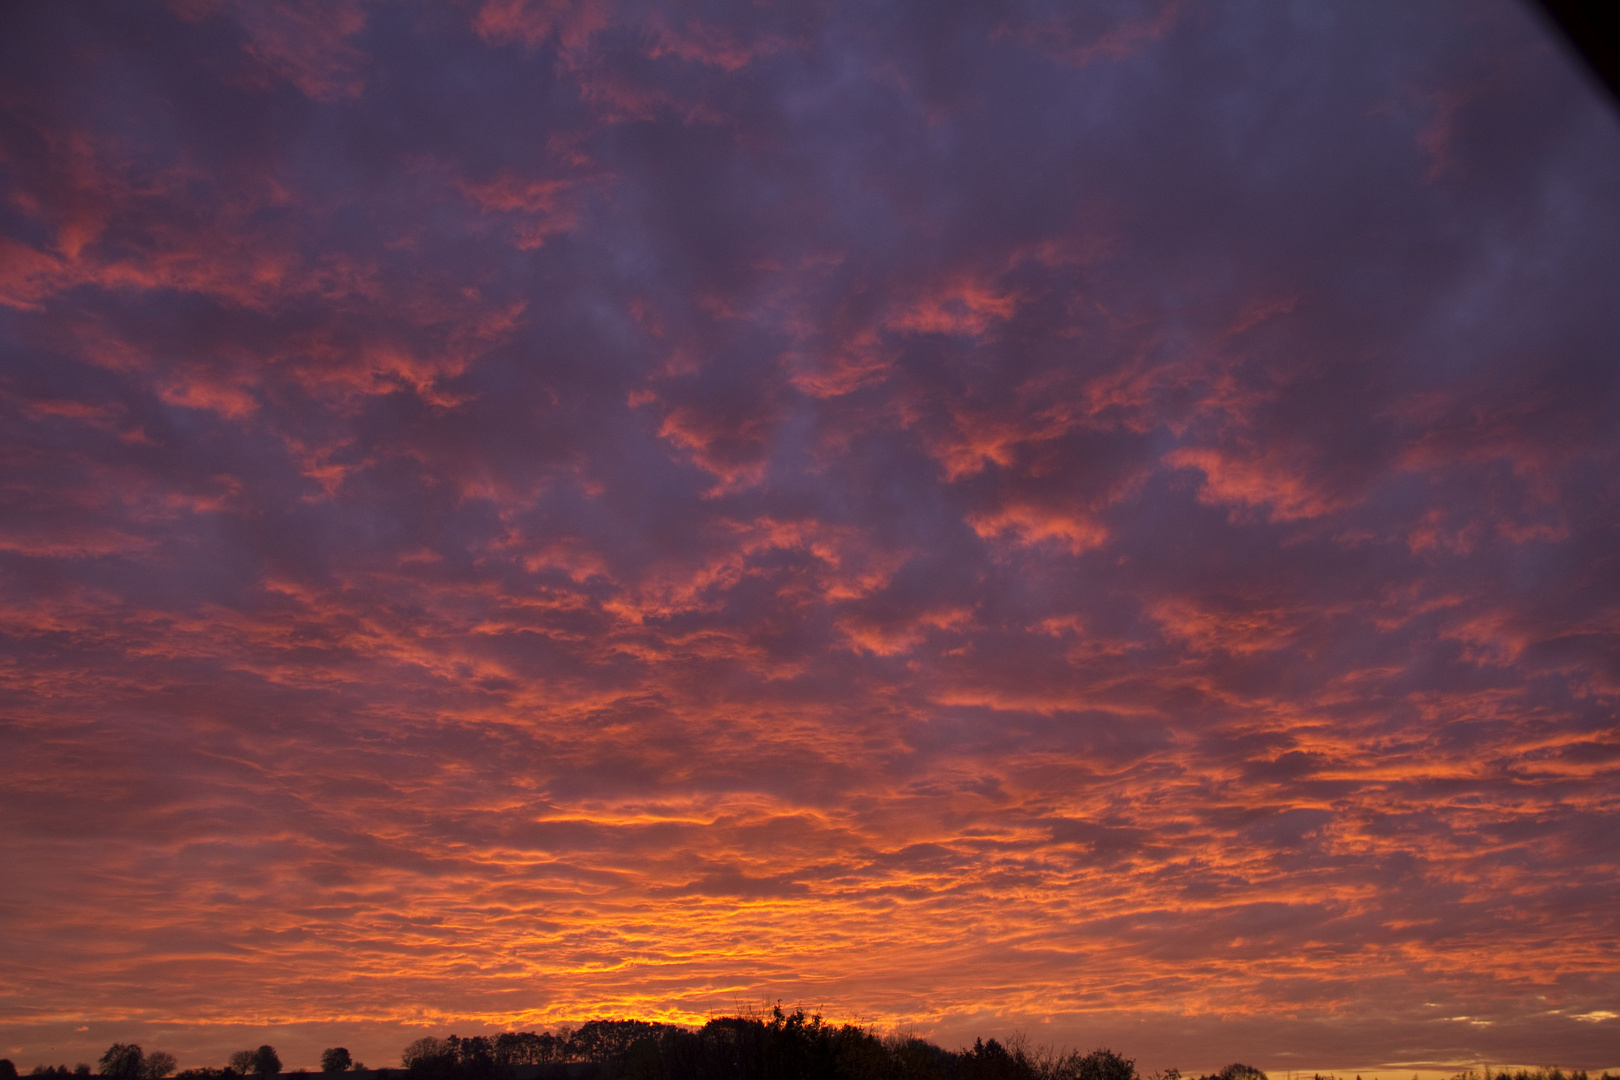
{"x": 1099, "y": 521}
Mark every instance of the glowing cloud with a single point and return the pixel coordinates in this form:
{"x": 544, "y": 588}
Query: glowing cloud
{"x": 1096, "y": 522}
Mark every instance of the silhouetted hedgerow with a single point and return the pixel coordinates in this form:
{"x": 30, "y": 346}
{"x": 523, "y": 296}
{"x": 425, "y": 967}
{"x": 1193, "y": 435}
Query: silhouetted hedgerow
{"x": 779, "y": 1046}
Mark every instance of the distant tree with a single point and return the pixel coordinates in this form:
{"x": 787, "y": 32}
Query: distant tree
{"x": 158, "y": 1064}
{"x": 992, "y": 1061}
{"x": 603, "y": 1041}
{"x": 336, "y": 1059}
{"x": 475, "y": 1056}
{"x": 8, "y": 1071}
{"x": 861, "y": 1056}
{"x": 1104, "y": 1064}
{"x": 1238, "y": 1071}
{"x": 265, "y": 1061}
{"x": 418, "y": 1051}
{"x": 432, "y": 1059}
{"x": 241, "y": 1062}
{"x": 123, "y": 1061}
{"x": 528, "y": 1048}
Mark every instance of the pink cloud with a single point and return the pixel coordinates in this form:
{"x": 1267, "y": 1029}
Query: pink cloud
{"x": 517, "y": 512}
{"x": 1271, "y": 480}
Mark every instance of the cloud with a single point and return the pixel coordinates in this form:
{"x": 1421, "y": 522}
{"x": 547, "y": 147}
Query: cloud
{"x": 978, "y": 518}
{"x": 1271, "y": 480}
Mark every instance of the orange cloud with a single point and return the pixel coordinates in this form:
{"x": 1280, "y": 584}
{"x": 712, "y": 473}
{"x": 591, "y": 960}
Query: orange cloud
{"x": 1267, "y": 480}
{"x": 539, "y": 205}
{"x": 962, "y": 307}
{"x": 519, "y": 511}
{"x": 1032, "y": 525}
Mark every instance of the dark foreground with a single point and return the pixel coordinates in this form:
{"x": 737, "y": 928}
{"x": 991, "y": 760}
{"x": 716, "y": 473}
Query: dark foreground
{"x": 777, "y": 1046}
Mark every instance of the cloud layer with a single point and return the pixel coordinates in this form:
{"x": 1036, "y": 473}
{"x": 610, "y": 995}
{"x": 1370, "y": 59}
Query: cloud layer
{"x": 1093, "y": 520}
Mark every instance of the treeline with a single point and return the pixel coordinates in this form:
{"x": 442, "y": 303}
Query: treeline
{"x": 777, "y": 1046}
{"x": 782, "y": 1046}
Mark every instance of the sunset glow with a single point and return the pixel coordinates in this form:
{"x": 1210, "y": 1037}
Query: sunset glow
{"x": 1097, "y": 521}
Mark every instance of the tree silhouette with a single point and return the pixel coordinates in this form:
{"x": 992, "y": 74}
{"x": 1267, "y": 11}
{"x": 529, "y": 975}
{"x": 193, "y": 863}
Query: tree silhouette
{"x": 474, "y": 1057}
{"x": 991, "y": 1061}
{"x": 1104, "y": 1065}
{"x": 1239, "y": 1071}
{"x": 528, "y": 1048}
{"x": 428, "y": 1056}
{"x": 123, "y": 1061}
{"x": 773, "y": 1045}
{"x": 261, "y": 1062}
{"x": 158, "y": 1064}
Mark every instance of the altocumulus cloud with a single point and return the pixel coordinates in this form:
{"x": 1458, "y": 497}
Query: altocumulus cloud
{"x": 1097, "y": 519}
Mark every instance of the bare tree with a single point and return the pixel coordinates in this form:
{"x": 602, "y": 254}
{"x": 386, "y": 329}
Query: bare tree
{"x": 123, "y": 1061}
{"x": 423, "y": 1051}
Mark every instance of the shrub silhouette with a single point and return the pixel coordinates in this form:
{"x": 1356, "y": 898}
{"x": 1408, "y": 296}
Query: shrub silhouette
{"x": 1237, "y": 1071}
